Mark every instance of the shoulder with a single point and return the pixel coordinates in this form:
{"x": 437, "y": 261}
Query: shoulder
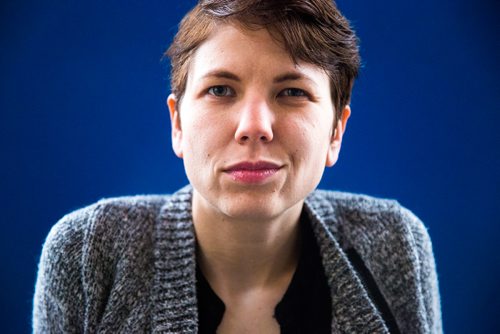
{"x": 358, "y": 216}
{"x": 102, "y": 230}
{"x": 378, "y": 229}
{"x": 81, "y": 256}
{"x": 106, "y": 221}
{"x": 111, "y": 216}
{"x": 352, "y": 204}
{"x": 393, "y": 244}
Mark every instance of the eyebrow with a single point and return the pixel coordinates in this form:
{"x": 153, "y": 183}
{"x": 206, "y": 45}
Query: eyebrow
{"x": 288, "y": 76}
{"x": 291, "y": 76}
{"x": 221, "y": 74}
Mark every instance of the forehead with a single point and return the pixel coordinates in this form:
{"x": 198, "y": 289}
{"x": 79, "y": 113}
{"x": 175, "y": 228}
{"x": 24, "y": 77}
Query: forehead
{"x": 232, "y": 47}
{"x": 227, "y": 38}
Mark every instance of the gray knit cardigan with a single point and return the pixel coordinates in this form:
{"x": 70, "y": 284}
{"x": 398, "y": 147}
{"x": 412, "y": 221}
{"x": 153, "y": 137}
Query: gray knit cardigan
{"x": 127, "y": 265}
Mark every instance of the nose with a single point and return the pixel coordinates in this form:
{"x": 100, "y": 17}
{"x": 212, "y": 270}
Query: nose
{"x": 255, "y": 123}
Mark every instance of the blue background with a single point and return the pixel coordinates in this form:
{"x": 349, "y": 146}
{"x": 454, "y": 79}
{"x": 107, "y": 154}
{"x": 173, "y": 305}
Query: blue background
{"x": 82, "y": 93}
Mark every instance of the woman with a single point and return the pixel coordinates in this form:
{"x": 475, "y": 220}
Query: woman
{"x": 259, "y": 105}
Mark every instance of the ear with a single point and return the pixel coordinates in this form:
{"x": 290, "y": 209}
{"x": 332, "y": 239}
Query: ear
{"x": 175, "y": 122}
{"x": 336, "y": 140}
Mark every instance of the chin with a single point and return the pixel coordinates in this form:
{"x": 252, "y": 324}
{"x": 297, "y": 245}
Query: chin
{"x": 252, "y": 208}
{"x": 251, "y": 203}
{"x": 250, "y": 213}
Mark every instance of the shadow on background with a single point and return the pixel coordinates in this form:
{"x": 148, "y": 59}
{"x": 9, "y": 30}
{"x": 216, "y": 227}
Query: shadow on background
{"x": 82, "y": 94}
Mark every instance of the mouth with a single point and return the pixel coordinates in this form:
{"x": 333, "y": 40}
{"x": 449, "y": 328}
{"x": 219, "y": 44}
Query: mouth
{"x": 252, "y": 172}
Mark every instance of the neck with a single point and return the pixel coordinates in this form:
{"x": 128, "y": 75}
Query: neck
{"x": 242, "y": 255}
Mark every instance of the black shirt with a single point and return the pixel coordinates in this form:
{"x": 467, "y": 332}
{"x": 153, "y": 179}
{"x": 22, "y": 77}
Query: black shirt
{"x": 305, "y": 306}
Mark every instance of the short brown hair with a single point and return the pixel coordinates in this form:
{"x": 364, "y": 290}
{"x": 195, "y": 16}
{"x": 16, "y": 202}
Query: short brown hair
{"x": 313, "y": 31}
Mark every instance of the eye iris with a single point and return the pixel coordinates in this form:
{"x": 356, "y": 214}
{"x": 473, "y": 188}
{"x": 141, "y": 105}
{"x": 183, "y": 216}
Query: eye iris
{"x": 294, "y": 92}
{"x": 219, "y": 90}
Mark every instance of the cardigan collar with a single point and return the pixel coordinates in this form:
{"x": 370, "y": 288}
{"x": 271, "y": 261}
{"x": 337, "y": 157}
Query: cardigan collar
{"x": 345, "y": 286}
{"x": 175, "y": 305}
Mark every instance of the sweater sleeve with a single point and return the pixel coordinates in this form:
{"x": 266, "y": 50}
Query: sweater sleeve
{"x": 428, "y": 275}
{"x": 58, "y": 305}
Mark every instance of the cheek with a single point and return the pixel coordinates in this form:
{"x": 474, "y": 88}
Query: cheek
{"x": 310, "y": 139}
{"x": 204, "y": 137}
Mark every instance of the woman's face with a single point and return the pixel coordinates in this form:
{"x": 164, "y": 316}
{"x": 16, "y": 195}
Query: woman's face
{"x": 254, "y": 129}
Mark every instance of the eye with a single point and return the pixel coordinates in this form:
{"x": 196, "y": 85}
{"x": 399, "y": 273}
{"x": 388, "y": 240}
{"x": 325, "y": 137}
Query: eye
{"x": 220, "y": 91}
{"x": 293, "y": 92}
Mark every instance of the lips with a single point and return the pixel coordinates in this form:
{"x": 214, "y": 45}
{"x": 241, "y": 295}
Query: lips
{"x": 252, "y": 172}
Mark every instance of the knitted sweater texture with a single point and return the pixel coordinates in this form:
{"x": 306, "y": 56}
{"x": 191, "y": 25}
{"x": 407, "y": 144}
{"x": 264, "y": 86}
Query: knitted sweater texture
{"x": 128, "y": 265}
